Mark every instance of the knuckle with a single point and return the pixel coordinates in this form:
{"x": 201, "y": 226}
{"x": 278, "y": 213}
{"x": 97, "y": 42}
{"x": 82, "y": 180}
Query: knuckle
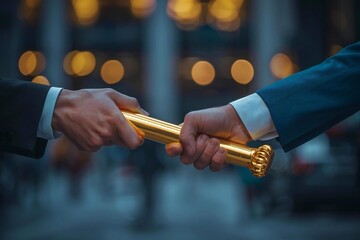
{"x": 96, "y": 143}
{"x": 135, "y": 143}
{"x": 85, "y": 93}
{"x": 216, "y": 165}
{"x": 189, "y": 116}
{"x": 109, "y": 90}
{"x": 206, "y": 156}
{"x": 199, "y": 165}
{"x": 183, "y": 138}
{"x": 134, "y": 101}
{"x": 219, "y": 160}
{"x": 114, "y": 118}
{"x": 214, "y": 168}
{"x": 185, "y": 160}
{"x": 188, "y": 148}
{"x": 106, "y": 134}
{"x": 219, "y": 157}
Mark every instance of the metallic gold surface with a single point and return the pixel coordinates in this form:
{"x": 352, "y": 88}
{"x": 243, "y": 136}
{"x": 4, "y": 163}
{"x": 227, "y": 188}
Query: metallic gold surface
{"x": 258, "y": 160}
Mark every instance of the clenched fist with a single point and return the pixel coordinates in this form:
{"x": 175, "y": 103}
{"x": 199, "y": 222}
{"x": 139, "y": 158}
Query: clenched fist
{"x": 198, "y": 138}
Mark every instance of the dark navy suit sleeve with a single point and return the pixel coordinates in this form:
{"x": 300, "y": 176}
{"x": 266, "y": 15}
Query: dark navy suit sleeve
{"x": 21, "y": 105}
{"x": 307, "y": 103}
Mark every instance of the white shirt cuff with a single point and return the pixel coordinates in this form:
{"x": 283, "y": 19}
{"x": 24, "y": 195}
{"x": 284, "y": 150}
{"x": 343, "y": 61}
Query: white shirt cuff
{"x": 45, "y": 129}
{"x": 256, "y": 117}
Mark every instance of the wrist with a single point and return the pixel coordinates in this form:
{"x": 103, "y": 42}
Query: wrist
{"x": 237, "y": 122}
{"x": 63, "y": 101}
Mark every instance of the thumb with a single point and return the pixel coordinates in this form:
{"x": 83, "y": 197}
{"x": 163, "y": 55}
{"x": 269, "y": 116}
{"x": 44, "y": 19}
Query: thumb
{"x": 129, "y": 103}
{"x": 173, "y": 149}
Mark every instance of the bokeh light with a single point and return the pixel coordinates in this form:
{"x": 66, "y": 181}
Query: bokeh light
{"x": 67, "y": 62}
{"x": 186, "y": 66}
{"x": 112, "y": 71}
{"x": 225, "y": 14}
{"x": 242, "y": 71}
{"x": 281, "y": 66}
{"x": 31, "y": 63}
{"x": 81, "y": 63}
{"x": 224, "y": 10}
{"x": 86, "y": 11}
{"x": 28, "y": 9}
{"x": 186, "y": 13}
{"x": 41, "y": 80}
{"x": 203, "y": 73}
{"x": 142, "y": 8}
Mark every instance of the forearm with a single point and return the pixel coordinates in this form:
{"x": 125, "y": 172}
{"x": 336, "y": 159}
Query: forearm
{"x": 21, "y": 104}
{"x": 305, "y": 104}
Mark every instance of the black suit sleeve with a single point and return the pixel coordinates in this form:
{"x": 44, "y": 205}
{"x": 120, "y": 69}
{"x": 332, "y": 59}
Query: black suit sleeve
{"x": 21, "y": 105}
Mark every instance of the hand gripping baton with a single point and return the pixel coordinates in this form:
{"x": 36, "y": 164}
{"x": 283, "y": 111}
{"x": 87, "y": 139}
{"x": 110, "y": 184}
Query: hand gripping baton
{"x": 257, "y": 160}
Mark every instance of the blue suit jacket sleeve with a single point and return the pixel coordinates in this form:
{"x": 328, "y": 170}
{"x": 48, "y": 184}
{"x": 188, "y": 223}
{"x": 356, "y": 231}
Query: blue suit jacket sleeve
{"x": 307, "y": 103}
{"x": 21, "y": 104}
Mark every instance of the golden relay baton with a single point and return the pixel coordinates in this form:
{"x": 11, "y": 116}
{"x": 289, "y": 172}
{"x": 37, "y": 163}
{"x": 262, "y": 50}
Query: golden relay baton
{"x": 257, "y": 160}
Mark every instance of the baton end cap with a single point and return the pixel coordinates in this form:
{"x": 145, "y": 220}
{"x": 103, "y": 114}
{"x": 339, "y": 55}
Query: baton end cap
{"x": 261, "y": 160}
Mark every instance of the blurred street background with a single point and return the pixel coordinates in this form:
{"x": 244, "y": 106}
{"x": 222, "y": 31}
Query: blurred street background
{"x": 176, "y": 56}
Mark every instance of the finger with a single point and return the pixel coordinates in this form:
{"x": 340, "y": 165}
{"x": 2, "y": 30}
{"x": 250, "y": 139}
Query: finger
{"x": 95, "y": 143}
{"x": 196, "y": 149}
{"x": 187, "y": 138}
{"x": 208, "y": 153}
{"x": 173, "y": 149}
{"x": 201, "y": 144}
{"x": 218, "y": 161}
{"x": 126, "y": 134}
{"x": 126, "y": 102}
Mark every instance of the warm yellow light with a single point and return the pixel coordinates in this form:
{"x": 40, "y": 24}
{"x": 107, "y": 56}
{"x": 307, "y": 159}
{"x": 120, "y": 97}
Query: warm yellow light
{"x": 82, "y": 63}
{"x": 142, "y": 8}
{"x": 86, "y": 11}
{"x": 67, "y": 62}
{"x": 238, "y": 3}
{"x": 242, "y": 71}
{"x": 27, "y": 9}
{"x": 203, "y": 73}
{"x": 27, "y": 63}
{"x": 281, "y": 66}
{"x": 31, "y": 63}
{"x": 40, "y": 66}
{"x": 112, "y": 71}
{"x": 41, "y": 80}
{"x": 185, "y": 11}
{"x": 225, "y": 10}
{"x": 186, "y": 66}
